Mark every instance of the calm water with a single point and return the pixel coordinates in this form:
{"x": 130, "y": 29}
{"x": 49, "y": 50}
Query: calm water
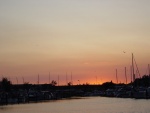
{"x": 82, "y": 105}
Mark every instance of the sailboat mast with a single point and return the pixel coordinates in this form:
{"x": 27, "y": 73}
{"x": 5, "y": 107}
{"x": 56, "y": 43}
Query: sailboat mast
{"x": 38, "y": 79}
{"x": 133, "y": 67}
{"x": 149, "y": 69}
{"x": 58, "y": 80}
{"x": 126, "y": 74}
{"x": 116, "y": 76}
{"x": 131, "y": 73}
{"x": 49, "y": 77}
{"x": 71, "y": 78}
{"x": 66, "y": 79}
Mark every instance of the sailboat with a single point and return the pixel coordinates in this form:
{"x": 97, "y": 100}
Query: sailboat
{"x": 138, "y": 92}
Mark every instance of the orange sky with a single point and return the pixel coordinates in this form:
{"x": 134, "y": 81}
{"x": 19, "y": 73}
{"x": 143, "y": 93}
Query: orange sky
{"x": 86, "y": 38}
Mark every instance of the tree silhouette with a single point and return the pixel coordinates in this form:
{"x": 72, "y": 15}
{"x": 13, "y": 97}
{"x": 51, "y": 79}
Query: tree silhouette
{"x": 70, "y": 84}
{"x": 53, "y": 83}
{"x": 5, "y": 84}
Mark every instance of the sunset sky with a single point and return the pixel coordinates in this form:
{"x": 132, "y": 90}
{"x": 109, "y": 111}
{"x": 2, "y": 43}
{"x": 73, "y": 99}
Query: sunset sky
{"x": 90, "y": 38}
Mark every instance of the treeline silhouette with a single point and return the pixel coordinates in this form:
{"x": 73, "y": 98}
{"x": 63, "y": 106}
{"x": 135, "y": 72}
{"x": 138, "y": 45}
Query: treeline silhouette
{"x": 7, "y": 86}
{"x": 25, "y": 93}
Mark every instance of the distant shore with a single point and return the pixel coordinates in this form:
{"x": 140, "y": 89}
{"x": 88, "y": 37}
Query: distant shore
{"x": 26, "y": 93}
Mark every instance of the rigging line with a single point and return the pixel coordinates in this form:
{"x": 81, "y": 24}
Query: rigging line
{"x": 146, "y": 72}
{"x": 137, "y": 68}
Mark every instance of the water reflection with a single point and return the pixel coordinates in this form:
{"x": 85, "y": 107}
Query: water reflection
{"x": 82, "y": 105}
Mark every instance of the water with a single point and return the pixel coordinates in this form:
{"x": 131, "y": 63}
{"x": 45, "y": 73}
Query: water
{"x": 82, "y": 105}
